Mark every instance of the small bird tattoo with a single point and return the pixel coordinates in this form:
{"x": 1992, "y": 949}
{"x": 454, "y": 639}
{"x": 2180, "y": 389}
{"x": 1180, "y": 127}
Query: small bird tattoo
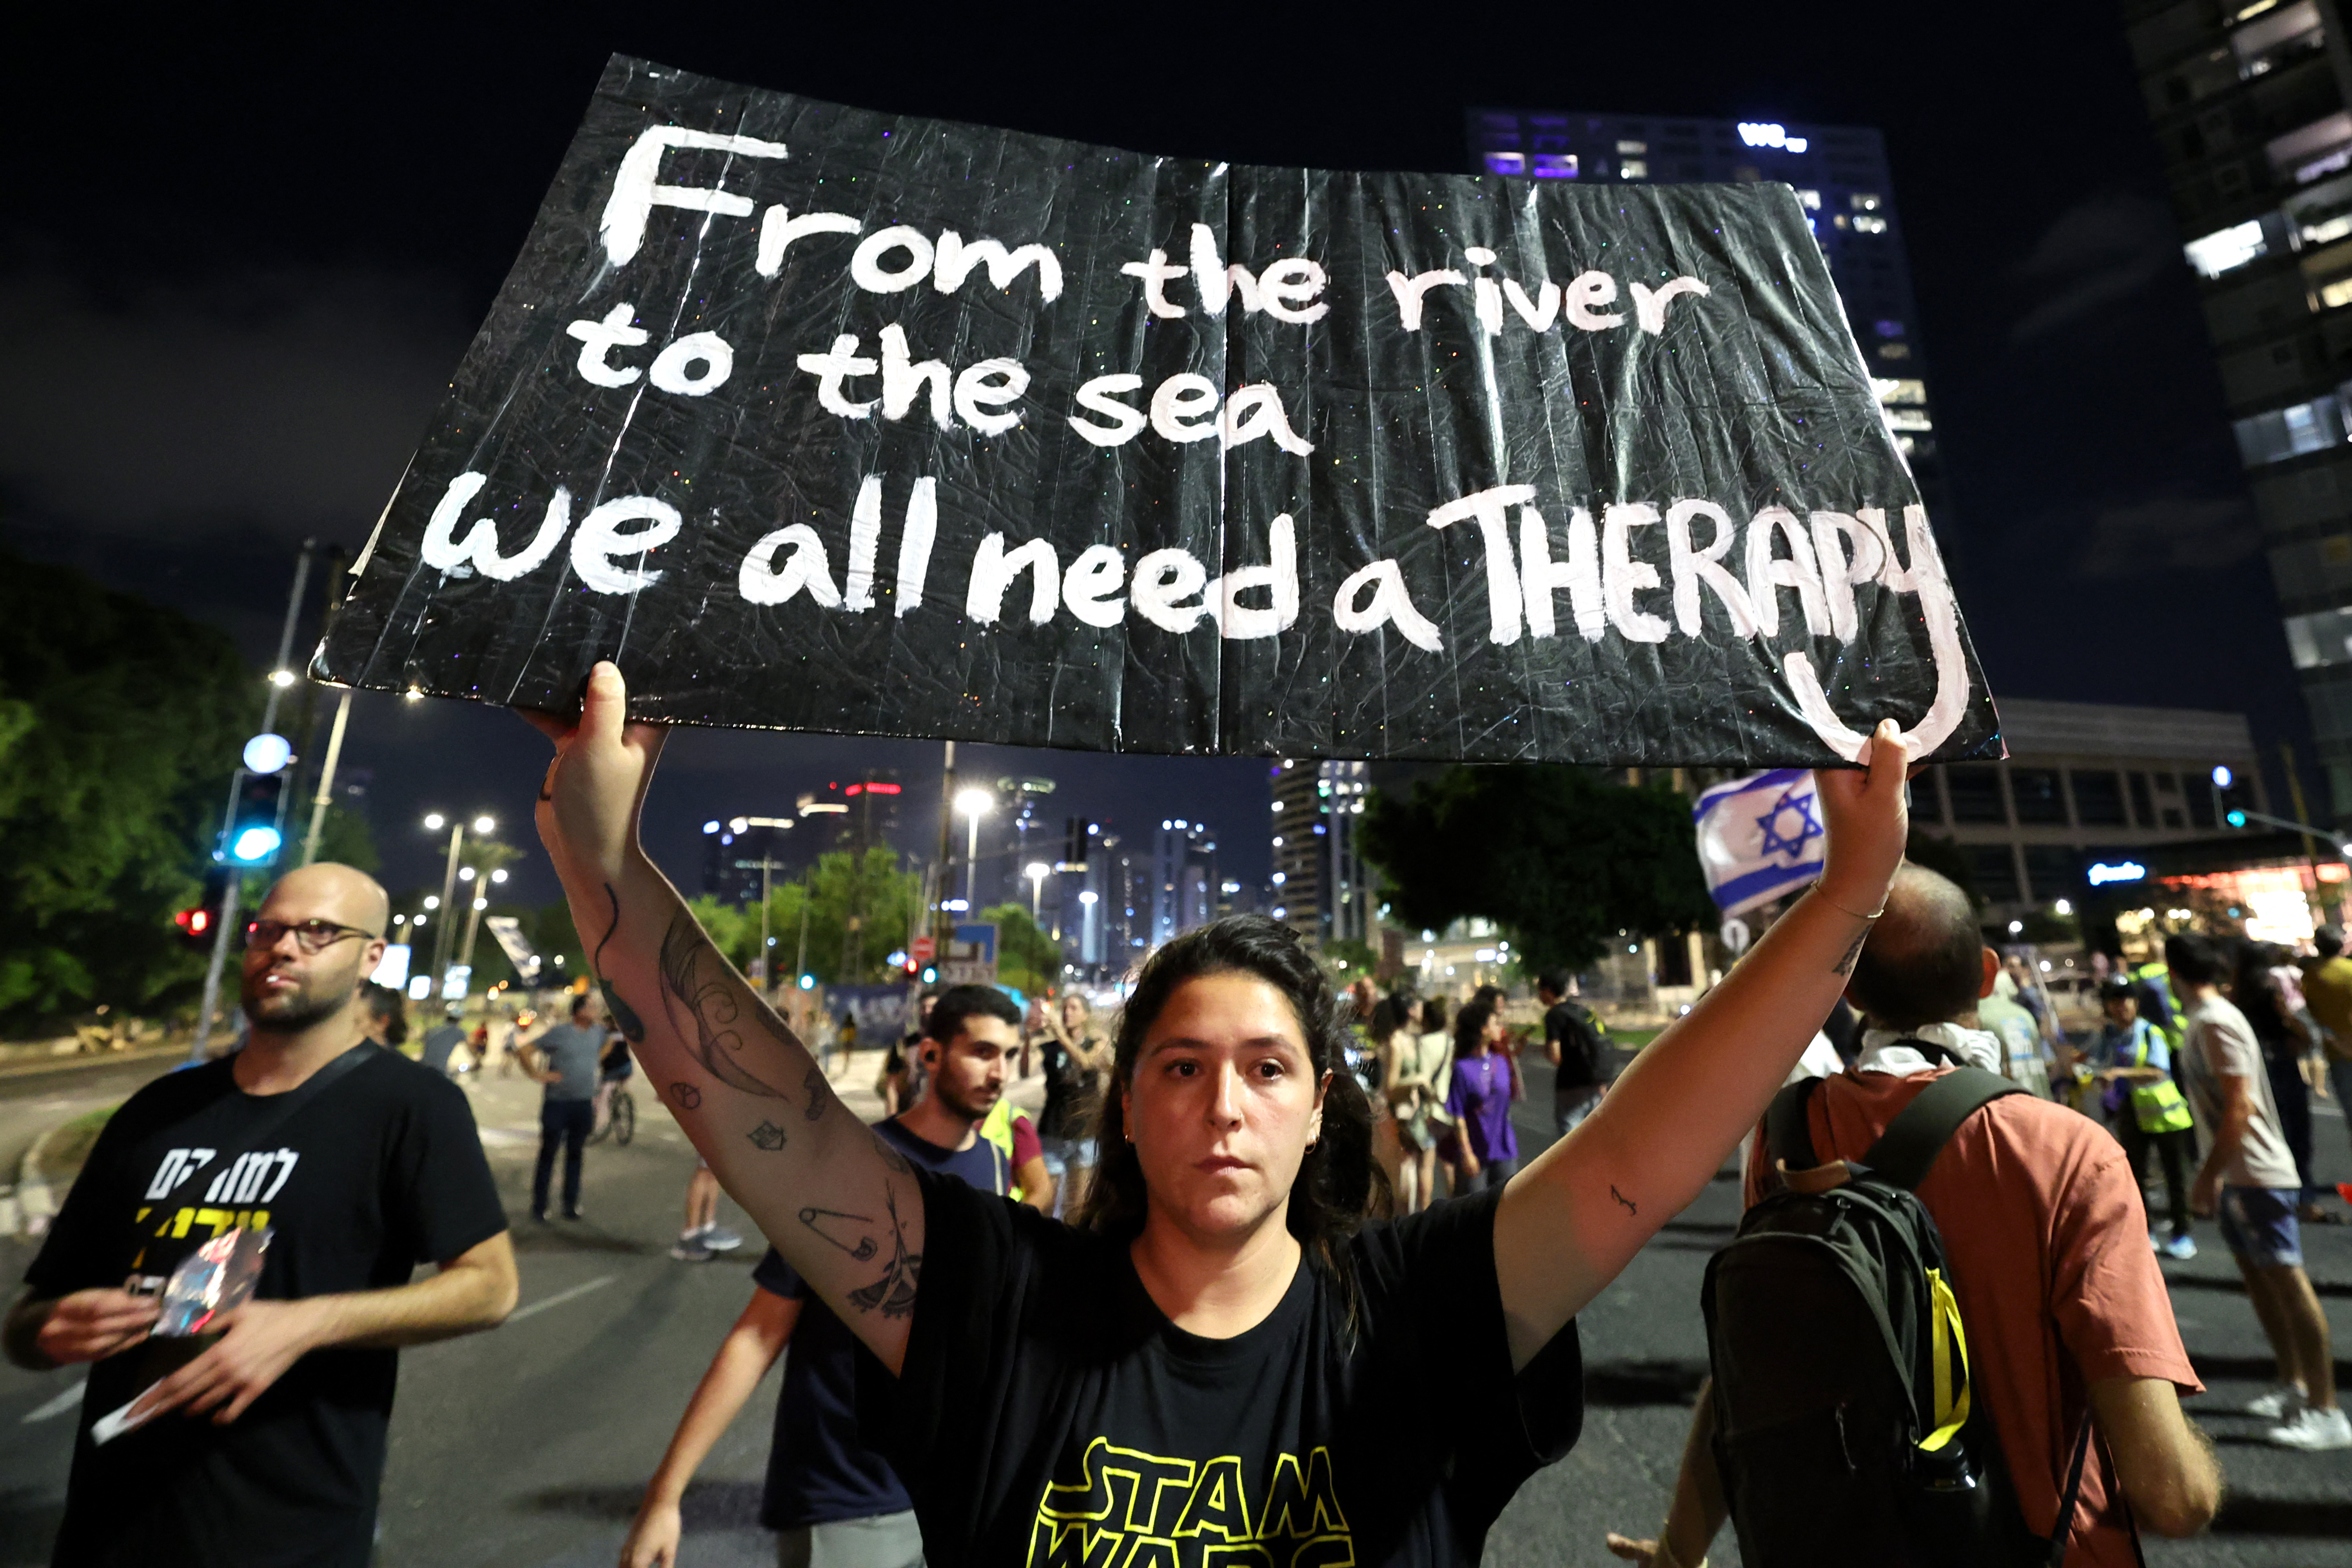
{"x": 1622, "y": 1199}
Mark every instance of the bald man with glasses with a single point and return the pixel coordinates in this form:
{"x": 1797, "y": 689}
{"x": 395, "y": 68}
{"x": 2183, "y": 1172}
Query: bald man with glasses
{"x": 263, "y": 1440}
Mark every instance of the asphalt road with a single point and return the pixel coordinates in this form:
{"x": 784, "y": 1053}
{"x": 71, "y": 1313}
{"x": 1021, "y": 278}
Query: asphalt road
{"x": 528, "y": 1447}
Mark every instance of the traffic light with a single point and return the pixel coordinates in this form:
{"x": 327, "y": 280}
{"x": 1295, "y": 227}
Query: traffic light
{"x": 199, "y": 924}
{"x": 2236, "y": 818}
{"x": 252, "y": 837}
{"x": 196, "y": 926}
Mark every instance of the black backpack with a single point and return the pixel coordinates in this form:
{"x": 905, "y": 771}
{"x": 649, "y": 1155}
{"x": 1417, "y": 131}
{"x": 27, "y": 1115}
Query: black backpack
{"x": 1845, "y": 1432}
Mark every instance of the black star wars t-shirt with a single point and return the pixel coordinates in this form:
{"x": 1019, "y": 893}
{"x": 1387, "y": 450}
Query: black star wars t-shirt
{"x": 381, "y": 1172}
{"x": 1048, "y": 1414}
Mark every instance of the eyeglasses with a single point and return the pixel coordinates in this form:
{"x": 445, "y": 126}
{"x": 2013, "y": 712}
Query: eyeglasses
{"x": 310, "y": 936}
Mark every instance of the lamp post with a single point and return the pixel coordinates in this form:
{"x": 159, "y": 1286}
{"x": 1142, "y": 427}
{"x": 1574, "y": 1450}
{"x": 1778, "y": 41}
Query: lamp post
{"x": 1036, "y": 871}
{"x": 434, "y": 822}
{"x": 975, "y": 804}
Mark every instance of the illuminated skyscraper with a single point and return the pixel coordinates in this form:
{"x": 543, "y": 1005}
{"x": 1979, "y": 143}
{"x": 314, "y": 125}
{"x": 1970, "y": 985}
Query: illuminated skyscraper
{"x": 1840, "y": 175}
{"x": 1321, "y": 888}
{"x": 2249, "y": 102}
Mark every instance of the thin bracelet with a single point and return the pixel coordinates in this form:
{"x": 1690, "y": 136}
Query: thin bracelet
{"x": 1841, "y": 909}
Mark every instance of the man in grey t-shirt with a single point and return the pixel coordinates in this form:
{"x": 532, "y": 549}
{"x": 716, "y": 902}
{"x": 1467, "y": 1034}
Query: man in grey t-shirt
{"x": 2250, "y": 1177}
{"x": 442, "y": 1040}
{"x": 564, "y": 1059}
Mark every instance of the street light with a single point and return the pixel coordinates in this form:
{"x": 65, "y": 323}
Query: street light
{"x": 1036, "y": 871}
{"x": 434, "y": 821}
{"x": 975, "y": 804}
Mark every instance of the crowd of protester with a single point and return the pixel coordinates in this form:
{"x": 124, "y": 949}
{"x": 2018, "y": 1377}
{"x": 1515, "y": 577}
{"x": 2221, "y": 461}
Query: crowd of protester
{"x": 1193, "y": 1305}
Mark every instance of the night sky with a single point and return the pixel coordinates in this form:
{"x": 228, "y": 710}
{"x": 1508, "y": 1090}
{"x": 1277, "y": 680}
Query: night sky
{"x": 238, "y": 262}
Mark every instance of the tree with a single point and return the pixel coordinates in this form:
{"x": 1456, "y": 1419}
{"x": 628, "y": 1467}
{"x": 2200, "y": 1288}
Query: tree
{"x": 1558, "y": 858}
{"x": 119, "y": 722}
{"x": 1027, "y": 960}
{"x": 841, "y": 887}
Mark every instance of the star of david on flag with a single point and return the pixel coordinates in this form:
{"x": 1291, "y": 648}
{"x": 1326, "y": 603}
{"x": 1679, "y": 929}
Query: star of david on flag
{"x": 1759, "y": 837}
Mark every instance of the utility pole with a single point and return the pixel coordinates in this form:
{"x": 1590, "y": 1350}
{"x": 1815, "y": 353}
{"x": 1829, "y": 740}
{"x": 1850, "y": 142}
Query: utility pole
{"x": 326, "y": 796}
{"x": 280, "y": 678}
{"x": 447, "y": 911}
{"x": 941, "y": 928}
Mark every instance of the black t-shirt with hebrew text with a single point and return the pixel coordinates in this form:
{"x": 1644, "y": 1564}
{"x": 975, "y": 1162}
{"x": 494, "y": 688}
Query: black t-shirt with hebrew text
{"x": 382, "y": 1171}
{"x": 1049, "y": 1413}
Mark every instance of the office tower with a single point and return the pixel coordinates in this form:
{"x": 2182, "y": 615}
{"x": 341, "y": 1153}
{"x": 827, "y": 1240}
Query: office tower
{"x": 2249, "y": 106}
{"x": 1840, "y": 175}
{"x": 739, "y": 852}
{"x": 855, "y": 813}
{"x": 1321, "y": 888}
{"x": 1184, "y": 888}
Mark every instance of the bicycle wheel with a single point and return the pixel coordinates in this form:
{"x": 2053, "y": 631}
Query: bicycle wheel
{"x": 624, "y": 1116}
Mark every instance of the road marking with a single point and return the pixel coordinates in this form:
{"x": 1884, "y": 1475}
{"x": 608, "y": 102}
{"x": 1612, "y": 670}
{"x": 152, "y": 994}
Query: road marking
{"x": 520, "y": 1313}
{"x": 58, "y": 1406}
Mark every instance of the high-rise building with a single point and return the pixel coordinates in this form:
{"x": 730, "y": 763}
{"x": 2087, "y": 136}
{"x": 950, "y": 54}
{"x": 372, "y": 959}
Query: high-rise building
{"x": 1022, "y": 832}
{"x": 2249, "y": 108}
{"x": 855, "y": 814}
{"x": 1184, "y": 888}
{"x": 738, "y": 853}
{"x": 1321, "y": 888}
{"x": 1840, "y": 175}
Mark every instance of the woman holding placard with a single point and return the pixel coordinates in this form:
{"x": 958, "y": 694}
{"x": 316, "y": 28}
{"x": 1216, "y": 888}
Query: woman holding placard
{"x": 1216, "y": 1361}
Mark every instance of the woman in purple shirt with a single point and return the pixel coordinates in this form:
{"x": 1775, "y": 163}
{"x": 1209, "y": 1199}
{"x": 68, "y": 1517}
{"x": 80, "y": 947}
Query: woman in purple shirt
{"x": 1480, "y": 1102}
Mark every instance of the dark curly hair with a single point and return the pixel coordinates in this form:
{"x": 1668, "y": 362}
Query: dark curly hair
{"x": 1339, "y": 1185}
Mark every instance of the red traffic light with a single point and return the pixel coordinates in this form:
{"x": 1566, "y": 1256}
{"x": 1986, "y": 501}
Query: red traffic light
{"x": 195, "y": 926}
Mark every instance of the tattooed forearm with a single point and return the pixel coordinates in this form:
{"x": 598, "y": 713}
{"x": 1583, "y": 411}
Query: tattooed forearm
{"x": 767, "y": 1136}
{"x": 693, "y": 971}
{"x": 891, "y": 1157}
{"x": 1846, "y": 966}
{"x": 814, "y": 1087}
{"x": 632, "y": 1028}
{"x": 1622, "y": 1199}
{"x": 685, "y": 1096}
{"x": 894, "y": 1293}
{"x": 837, "y": 1227}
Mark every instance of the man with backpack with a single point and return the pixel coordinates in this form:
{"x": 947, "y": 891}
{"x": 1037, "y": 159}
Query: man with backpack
{"x": 1577, "y": 1047}
{"x": 1902, "y": 1378}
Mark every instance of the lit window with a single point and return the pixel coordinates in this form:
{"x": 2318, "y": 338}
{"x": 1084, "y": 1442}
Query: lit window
{"x": 1554, "y": 165}
{"x": 1810, "y": 200}
{"x": 2320, "y": 639}
{"x": 1869, "y": 223}
{"x": 2289, "y": 432}
{"x": 2306, "y": 153}
{"x": 1903, "y": 390}
{"x": 2277, "y": 39}
{"x": 1633, "y": 168}
{"x": 1895, "y": 350}
{"x": 1863, "y": 201}
{"x": 1635, "y": 148}
{"x": 1507, "y": 162}
{"x": 2226, "y": 249}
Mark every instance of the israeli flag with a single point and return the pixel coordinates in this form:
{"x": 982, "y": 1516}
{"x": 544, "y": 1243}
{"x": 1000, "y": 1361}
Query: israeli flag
{"x": 1759, "y": 837}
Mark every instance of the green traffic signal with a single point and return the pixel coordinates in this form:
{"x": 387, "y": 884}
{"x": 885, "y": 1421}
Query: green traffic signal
{"x": 2237, "y": 819}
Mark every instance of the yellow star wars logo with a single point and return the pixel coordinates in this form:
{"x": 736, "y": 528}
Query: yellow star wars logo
{"x": 1134, "y": 1509}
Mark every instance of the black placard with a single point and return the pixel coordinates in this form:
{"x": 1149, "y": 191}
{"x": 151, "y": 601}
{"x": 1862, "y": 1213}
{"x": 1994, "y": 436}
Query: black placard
{"x": 818, "y": 419}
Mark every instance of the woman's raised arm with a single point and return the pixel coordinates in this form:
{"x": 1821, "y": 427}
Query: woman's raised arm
{"x": 1575, "y": 1216}
{"x": 841, "y": 1206}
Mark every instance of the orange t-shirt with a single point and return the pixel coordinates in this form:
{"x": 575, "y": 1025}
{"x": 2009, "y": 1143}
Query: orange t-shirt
{"x": 2047, "y": 1239}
